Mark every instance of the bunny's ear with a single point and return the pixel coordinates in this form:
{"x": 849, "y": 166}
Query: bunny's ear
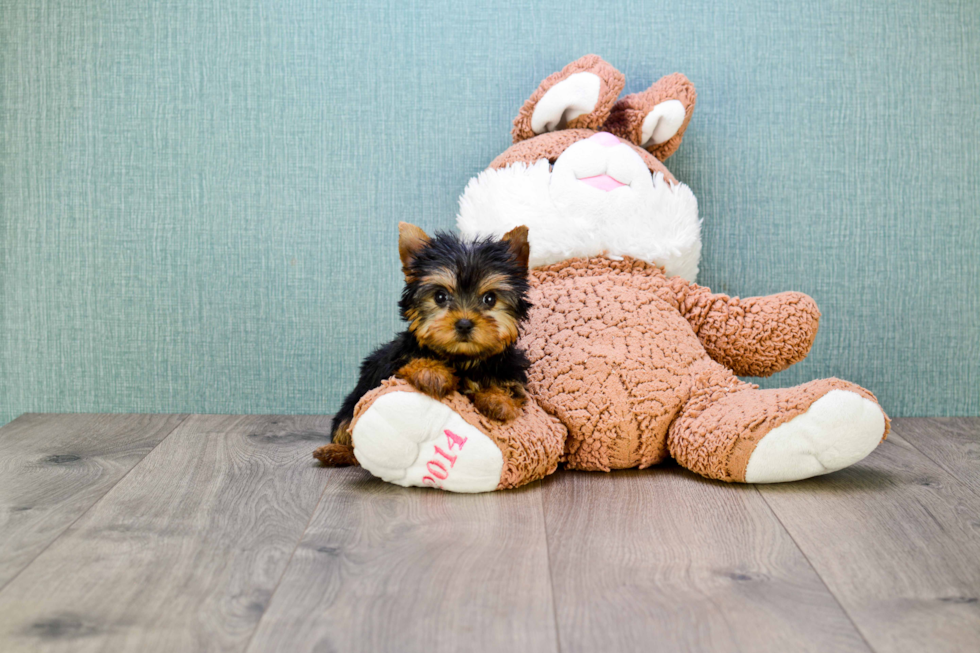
{"x": 579, "y": 96}
{"x": 656, "y": 118}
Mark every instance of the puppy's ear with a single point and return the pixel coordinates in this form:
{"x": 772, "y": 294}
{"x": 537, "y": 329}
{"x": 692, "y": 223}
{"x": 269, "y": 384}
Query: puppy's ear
{"x": 579, "y": 96}
{"x": 411, "y": 240}
{"x": 656, "y": 118}
{"x": 516, "y": 239}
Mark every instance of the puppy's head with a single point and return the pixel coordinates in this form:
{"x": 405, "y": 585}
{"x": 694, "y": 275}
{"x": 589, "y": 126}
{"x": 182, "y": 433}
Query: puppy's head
{"x": 464, "y": 298}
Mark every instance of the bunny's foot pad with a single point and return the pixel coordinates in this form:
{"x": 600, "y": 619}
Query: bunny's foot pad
{"x": 412, "y": 440}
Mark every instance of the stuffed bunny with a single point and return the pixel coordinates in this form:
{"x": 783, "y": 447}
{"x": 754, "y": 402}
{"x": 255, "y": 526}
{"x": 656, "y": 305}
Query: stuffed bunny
{"x": 631, "y": 361}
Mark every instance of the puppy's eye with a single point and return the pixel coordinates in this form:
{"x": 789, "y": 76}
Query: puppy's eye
{"x": 489, "y": 300}
{"x": 441, "y": 297}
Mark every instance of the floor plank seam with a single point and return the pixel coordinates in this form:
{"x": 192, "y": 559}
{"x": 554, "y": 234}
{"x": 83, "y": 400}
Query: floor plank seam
{"x": 299, "y": 541}
{"x": 181, "y": 420}
{"x": 815, "y": 571}
{"x": 941, "y": 466}
{"x": 551, "y": 578}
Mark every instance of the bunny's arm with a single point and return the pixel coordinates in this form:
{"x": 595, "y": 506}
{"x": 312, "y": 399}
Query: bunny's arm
{"x": 756, "y": 336}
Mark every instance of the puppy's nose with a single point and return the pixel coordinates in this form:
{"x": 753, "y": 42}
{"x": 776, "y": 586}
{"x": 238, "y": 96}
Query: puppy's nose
{"x": 464, "y": 326}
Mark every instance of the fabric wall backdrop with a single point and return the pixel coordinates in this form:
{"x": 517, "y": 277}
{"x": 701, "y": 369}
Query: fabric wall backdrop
{"x": 199, "y": 199}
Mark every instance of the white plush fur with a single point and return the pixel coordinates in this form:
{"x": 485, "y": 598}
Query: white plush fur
{"x": 648, "y": 219}
{"x": 837, "y": 430}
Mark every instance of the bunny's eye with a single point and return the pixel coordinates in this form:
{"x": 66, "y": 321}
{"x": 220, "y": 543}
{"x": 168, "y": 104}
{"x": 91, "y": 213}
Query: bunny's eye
{"x": 441, "y": 297}
{"x": 489, "y": 299}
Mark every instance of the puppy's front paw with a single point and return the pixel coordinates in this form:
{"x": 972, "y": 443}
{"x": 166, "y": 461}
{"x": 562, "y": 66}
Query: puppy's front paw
{"x": 497, "y": 403}
{"x": 429, "y": 376}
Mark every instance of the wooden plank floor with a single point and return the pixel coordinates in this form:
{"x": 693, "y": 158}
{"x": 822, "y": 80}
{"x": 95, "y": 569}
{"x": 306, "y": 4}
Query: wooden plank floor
{"x": 198, "y": 533}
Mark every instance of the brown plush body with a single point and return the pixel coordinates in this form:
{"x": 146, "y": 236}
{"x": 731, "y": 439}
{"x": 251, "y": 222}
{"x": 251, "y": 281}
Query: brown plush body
{"x": 625, "y": 372}
{"x": 660, "y": 353}
{"x": 630, "y": 362}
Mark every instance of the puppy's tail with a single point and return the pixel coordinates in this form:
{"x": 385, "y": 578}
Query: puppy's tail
{"x": 340, "y": 452}
{"x": 336, "y": 455}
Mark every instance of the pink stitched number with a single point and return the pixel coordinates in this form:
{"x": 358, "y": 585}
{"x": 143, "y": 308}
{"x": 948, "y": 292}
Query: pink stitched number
{"x": 452, "y": 438}
{"x": 450, "y": 457}
{"x": 435, "y": 467}
{"x": 441, "y": 474}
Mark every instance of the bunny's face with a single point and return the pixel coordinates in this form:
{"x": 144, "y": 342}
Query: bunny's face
{"x": 585, "y": 173}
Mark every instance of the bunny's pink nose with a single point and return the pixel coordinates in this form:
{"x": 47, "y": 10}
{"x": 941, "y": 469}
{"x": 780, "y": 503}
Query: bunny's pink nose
{"x": 605, "y": 139}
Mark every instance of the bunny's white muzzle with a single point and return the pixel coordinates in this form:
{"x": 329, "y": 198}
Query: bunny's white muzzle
{"x": 598, "y": 198}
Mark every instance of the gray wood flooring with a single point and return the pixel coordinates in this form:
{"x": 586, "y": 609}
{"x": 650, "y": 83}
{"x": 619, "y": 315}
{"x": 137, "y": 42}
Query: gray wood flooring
{"x": 219, "y": 533}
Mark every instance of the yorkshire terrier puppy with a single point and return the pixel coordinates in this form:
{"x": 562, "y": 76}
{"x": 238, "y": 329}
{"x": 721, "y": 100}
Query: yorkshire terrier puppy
{"x": 464, "y": 303}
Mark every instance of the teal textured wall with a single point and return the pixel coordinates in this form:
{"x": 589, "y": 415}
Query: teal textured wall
{"x": 199, "y": 199}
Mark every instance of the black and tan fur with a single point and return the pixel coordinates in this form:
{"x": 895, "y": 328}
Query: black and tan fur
{"x": 464, "y": 303}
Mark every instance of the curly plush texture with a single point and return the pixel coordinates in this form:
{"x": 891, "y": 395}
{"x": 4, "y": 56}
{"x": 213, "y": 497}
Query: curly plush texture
{"x": 627, "y": 116}
{"x": 624, "y": 357}
{"x": 625, "y": 372}
{"x": 611, "y": 84}
{"x": 757, "y": 336}
{"x": 724, "y": 420}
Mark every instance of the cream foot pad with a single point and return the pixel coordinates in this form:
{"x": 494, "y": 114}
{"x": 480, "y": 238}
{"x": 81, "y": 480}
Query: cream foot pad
{"x": 409, "y": 439}
{"x": 837, "y": 430}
